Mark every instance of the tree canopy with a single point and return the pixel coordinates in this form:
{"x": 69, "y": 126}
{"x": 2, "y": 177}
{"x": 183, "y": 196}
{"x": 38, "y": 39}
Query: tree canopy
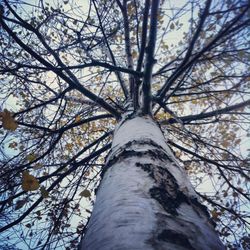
{"x": 70, "y": 69}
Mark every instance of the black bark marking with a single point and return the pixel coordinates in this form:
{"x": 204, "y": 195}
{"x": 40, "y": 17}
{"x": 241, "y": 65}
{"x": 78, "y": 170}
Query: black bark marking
{"x": 169, "y": 202}
{"x": 147, "y": 168}
{"x": 166, "y": 191}
{"x": 175, "y": 238}
{"x": 158, "y": 152}
{"x": 125, "y": 151}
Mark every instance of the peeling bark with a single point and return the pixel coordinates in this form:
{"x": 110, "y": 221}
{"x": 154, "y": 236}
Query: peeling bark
{"x": 145, "y": 200}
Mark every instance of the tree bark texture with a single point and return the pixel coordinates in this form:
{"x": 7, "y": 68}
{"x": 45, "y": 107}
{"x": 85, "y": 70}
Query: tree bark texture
{"x": 145, "y": 200}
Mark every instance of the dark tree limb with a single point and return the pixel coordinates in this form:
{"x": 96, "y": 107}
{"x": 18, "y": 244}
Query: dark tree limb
{"x": 117, "y": 72}
{"x": 150, "y": 61}
{"x": 190, "y": 118}
{"x": 205, "y": 13}
{"x": 54, "y": 184}
{"x": 229, "y": 29}
{"x": 72, "y": 82}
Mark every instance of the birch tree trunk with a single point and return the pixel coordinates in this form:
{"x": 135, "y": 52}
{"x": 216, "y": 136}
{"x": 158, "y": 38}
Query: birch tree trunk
{"x": 145, "y": 200}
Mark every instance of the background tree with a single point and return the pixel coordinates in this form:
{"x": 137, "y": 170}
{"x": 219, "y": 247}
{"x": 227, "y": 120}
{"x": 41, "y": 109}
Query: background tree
{"x": 70, "y": 69}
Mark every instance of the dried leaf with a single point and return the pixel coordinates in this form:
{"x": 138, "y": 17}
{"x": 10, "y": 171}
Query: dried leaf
{"x": 172, "y": 26}
{"x": 29, "y": 182}
{"x": 214, "y": 214}
{"x": 225, "y": 143}
{"x": 8, "y": 121}
{"x": 85, "y": 193}
{"x": 20, "y": 204}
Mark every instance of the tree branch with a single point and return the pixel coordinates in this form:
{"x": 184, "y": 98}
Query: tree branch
{"x": 72, "y": 82}
{"x": 190, "y": 118}
{"x": 146, "y": 84}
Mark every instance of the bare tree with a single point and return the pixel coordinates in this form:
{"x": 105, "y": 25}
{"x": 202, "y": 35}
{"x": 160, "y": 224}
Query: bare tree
{"x": 149, "y": 99}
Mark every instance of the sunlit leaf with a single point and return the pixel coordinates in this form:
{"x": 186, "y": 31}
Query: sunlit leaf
{"x": 31, "y": 157}
{"x": 134, "y": 54}
{"x": 78, "y": 118}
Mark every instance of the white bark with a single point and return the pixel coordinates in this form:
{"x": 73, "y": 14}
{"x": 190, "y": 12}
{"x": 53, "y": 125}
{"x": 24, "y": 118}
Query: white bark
{"x": 145, "y": 200}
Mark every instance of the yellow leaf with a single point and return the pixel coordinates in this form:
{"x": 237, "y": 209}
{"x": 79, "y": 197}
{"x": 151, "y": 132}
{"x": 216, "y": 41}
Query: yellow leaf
{"x": 214, "y": 214}
{"x": 78, "y": 118}
{"x": 69, "y": 146}
{"x": 225, "y": 143}
{"x": 134, "y": 54}
{"x": 44, "y": 192}
{"x": 8, "y": 121}
{"x": 178, "y": 154}
{"x": 29, "y": 182}
{"x": 86, "y": 173}
{"x": 31, "y": 157}
{"x": 160, "y": 17}
{"x": 85, "y": 193}
{"x": 165, "y": 46}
